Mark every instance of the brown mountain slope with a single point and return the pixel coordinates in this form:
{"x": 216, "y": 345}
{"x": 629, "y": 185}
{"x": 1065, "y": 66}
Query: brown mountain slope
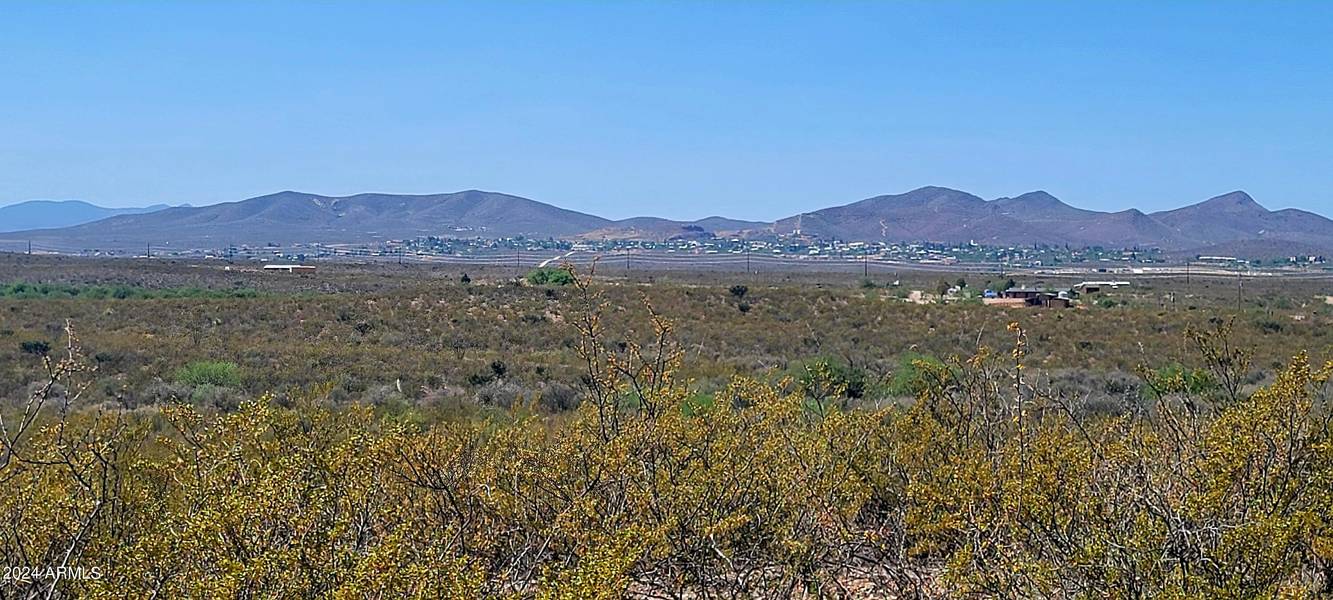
{"x": 936, "y": 214}
{"x": 1236, "y": 217}
{"x": 287, "y": 217}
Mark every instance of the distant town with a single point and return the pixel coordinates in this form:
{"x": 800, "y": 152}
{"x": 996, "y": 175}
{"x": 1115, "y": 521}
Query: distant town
{"x": 772, "y": 254}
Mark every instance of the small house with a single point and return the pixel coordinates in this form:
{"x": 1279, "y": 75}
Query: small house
{"x": 1093, "y": 287}
{"x": 1022, "y": 293}
{"x": 1058, "y": 301}
{"x": 1057, "y": 298}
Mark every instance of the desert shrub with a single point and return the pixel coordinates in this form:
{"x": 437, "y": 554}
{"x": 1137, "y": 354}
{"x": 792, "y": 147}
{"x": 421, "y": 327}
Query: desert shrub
{"x": 382, "y": 395}
{"x": 210, "y": 372}
{"x": 825, "y": 377}
{"x": 161, "y": 392}
{"x": 550, "y": 276}
{"x": 558, "y": 397}
{"x": 216, "y": 397}
{"x": 503, "y": 394}
{"x": 1175, "y": 378}
{"x": 1118, "y": 383}
{"x": 37, "y": 347}
{"x": 911, "y": 375}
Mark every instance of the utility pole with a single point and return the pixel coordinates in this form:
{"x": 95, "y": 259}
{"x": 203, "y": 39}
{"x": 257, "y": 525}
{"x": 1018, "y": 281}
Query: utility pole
{"x": 400, "y": 256}
{"x": 1240, "y": 289}
{"x": 627, "y": 271}
{"x": 150, "y": 250}
{"x": 865, "y": 265}
{"x": 1187, "y": 272}
{"x": 29, "y": 247}
{"x": 747, "y": 259}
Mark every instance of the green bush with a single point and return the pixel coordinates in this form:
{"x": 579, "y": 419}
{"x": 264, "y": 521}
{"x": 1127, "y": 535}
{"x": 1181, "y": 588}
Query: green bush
{"x": 907, "y": 378}
{"x": 1177, "y": 379}
{"x": 835, "y": 376}
{"x": 1270, "y": 326}
{"x": 550, "y": 276}
{"x": 210, "y": 372}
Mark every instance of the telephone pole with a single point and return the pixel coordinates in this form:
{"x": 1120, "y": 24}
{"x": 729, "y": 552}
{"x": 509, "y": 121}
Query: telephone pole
{"x": 29, "y": 247}
{"x": 1240, "y": 289}
{"x": 865, "y": 265}
{"x": 150, "y": 250}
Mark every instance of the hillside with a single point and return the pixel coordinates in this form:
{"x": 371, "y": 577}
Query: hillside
{"x": 1236, "y": 217}
{"x": 287, "y": 217}
{"x": 936, "y": 214}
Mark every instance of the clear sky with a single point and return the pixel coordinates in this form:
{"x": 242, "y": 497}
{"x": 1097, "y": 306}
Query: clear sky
{"x": 680, "y": 109}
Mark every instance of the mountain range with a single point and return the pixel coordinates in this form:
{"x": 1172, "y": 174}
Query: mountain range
{"x": 1217, "y": 225}
{"x": 46, "y": 214}
{"x": 1232, "y": 223}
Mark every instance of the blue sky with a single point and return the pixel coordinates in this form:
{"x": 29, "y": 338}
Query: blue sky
{"x": 679, "y": 109}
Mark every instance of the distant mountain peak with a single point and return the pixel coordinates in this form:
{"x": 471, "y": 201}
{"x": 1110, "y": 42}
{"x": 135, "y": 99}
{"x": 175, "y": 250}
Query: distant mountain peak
{"x": 1233, "y": 202}
{"x": 931, "y": 194}
{"x": 936, "y": 189}
{"x": 1036, "y": 197}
